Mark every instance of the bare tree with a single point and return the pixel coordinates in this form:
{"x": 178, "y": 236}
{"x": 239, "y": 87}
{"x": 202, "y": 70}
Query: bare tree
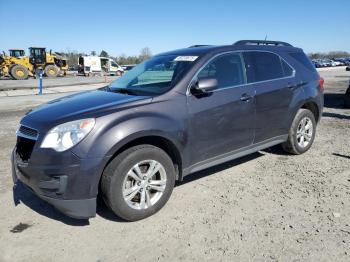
{"x": 93, "y": 53}
{"x": 145, "y": 53}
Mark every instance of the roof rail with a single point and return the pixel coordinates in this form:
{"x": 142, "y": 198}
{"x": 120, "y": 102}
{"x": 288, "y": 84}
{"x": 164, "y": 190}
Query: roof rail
{"x": 261, "y": 42}
{"x": 197, "y": 46}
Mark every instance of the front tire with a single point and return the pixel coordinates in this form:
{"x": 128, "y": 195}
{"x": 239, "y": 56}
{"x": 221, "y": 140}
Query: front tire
{"x": 302, "y": 133}
{"x": 51, "y": 71}
{"x": 19, "y": 72}
{"x": 138, "y": 182}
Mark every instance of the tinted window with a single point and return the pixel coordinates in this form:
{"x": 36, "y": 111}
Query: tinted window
{"x": 227, "y": 69}
{"x": 262, "y": 66}
{"x": 287, "y": 70}
{"x": 303, "y": 59}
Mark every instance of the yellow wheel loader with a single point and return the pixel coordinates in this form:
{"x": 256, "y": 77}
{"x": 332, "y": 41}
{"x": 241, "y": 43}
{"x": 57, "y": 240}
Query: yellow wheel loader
{"x": 20, "y": 67}
{"x": 52, "y": 64}
{"x": 17, "y": 67}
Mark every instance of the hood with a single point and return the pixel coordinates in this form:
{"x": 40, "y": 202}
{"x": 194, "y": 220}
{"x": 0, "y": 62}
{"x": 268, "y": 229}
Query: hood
{"x": 79, "y": 106}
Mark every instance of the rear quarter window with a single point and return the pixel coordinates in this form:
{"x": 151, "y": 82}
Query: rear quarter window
{"x": 304, "y": 60}
{"x": 288, "y": 71}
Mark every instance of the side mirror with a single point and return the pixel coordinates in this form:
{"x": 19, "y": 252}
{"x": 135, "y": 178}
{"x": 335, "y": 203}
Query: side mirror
{"x": 205, "y": 85}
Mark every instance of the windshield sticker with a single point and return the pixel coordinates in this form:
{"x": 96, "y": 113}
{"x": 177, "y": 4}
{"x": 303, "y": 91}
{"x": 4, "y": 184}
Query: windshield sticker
{"x": 186, "y": 58}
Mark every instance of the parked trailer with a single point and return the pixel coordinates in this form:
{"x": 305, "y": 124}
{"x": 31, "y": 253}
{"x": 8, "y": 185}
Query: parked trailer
{"x": 95, "y": 65}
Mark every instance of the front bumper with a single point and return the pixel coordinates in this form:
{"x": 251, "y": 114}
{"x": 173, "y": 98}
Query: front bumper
{"x": 70, "y": 188}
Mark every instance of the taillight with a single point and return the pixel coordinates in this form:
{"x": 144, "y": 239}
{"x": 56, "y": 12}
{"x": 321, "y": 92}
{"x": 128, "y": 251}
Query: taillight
{"x": 321, "y": 82}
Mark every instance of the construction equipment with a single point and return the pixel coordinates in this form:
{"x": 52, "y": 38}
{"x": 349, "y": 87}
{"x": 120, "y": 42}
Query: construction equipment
{"x": 20, "y": 67}
{"x": 52, "y": 64}
{"x": 16, "y": 67}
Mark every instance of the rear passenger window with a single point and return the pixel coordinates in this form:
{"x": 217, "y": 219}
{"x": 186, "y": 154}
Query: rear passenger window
{"x": 304, "y": 60}
{"x": 263, "y": 66}
{"x": 227, "y": 69}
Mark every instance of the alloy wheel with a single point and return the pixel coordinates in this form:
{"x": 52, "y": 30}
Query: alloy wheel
{"x": 304, "y": 132}
{"x": 144, "y": 184}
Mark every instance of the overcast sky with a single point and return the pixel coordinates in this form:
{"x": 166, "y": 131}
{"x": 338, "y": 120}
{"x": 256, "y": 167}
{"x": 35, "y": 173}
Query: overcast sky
{"x": 125, "y": 27}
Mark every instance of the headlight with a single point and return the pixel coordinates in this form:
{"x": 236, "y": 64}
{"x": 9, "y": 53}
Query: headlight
{"x": 64, "y": 136}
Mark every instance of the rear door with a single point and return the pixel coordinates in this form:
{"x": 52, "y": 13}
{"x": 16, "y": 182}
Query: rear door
{"x": 223, "y": 120}
{"x": 275, "y": 85}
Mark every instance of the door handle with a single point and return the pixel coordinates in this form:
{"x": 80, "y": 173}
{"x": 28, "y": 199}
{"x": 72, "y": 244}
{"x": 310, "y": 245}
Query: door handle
{"x": 291, "y": 86}
{"x": 302, "y": 83}
{"x": 246, "y": 98}
{"x": 295, "y": 86}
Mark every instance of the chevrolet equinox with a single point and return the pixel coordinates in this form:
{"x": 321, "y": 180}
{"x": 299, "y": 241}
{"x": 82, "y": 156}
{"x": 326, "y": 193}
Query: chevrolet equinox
{"x": 177, "y": 113}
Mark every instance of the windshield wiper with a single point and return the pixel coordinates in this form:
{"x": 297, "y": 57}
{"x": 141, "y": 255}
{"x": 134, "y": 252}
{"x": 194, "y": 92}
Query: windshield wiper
{"x": 123, "y": 91}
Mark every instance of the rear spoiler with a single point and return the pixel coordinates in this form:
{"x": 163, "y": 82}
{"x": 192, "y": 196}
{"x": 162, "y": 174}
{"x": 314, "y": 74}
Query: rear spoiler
{"x": 261, "y": 42}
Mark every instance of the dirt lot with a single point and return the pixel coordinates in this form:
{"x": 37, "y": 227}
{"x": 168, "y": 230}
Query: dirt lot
{"x": 268, "y": 206}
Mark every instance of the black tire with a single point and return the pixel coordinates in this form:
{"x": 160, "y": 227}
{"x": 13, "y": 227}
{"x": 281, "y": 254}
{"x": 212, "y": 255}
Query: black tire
{"x": 347, "y": 98}
{"x": 19, "y": 72}
{"x": 119, "y": 73}
{"x": 115, "y": 173}
{"x": 291, "y": 145}
{"x": 51, "y": 71}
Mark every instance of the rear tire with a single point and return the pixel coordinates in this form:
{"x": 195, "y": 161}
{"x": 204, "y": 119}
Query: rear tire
{"x": 19, "y": 72}
{"x": 127, "y": 189}
{"x": 51, "y": 71}
{"x": 302, "y": 133}
{"x": 347, "y": 98}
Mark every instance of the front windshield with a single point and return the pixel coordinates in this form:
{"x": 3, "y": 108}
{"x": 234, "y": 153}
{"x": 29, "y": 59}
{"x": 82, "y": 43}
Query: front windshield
{"x": 114, "y": 64}
{"x": 154, "y": 76}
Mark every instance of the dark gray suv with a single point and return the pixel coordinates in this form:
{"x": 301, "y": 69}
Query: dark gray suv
{"x": 175, "y": 114}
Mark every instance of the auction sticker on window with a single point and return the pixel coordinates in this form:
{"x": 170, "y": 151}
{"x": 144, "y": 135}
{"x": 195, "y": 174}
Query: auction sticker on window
{"x": 186, "y": 58}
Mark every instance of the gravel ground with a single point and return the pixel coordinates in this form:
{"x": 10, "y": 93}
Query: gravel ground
{"x": 268, "y": 206}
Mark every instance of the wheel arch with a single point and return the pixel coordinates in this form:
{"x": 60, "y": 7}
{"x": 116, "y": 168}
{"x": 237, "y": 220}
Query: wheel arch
{"x": 306, "y": 104}
{"x": 156, "y": 140}
{"x": 313, "y": 107}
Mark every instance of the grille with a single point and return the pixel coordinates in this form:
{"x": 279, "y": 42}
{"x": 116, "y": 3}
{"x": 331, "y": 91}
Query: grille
{"x": 27, "y": 131}
{"x": 24, "y": 147}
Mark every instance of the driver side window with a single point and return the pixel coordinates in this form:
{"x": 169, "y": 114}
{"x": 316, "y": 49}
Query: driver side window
{"x": 227, "y": 69}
